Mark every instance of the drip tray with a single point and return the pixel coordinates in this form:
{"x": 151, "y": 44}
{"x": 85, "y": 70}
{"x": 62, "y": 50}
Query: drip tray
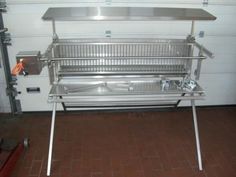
{"x": 120, "y": 88}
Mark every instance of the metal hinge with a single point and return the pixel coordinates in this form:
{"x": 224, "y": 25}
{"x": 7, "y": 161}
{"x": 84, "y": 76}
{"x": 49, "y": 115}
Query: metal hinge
{"x": 3, "y": 6}
{"x": 18, "y": 107}
{"x": 205, "y": 2}
{"x": 7, "y": 39}
{"x": 11, "y": 91}
{"x": 190, "y": 39}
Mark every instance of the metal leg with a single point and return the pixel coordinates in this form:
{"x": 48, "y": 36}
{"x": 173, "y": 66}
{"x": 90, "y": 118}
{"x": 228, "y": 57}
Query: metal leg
{"x": 63, "y": 104}
{"x": 51, "y": 139}
{"x": 177, "y": 103}
{"x": 196, "y": 135}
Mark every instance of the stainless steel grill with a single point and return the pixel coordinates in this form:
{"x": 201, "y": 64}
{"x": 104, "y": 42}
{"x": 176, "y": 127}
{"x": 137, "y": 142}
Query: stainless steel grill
{"x": 127, "y": 56}
{"x": 105, "y": 67}
{"x": 107, "y": 73}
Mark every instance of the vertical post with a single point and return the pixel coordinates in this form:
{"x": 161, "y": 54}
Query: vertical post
{"x": 198, "y": 70}
{"x": 190, "y": 39}
{"x": 63, "y": 104}
{"x": 7, "y": 70}
{"x": 192, "y": 28}
{"x": 55, "y": 37}
{"x": 196, "y": 135}
{"x": 55, "y": 64}
{"x": 51, "y": 139}
{"x": 199, "y": 65}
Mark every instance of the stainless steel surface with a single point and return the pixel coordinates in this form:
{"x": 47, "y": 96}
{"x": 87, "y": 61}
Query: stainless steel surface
{"x": 116, "y": 87}
{"x": 51, "y": 139}
{"x": 120, "y": 56}
{"x": 199, "y": 156}
{"x": 125, "y": 14}
{"x": 120, "y": 71}
{"x": 119, "y": 91}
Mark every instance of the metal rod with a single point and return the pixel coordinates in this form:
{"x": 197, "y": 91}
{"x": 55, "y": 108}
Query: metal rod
{"x": 129, "y": 57}
{"x": 192, "y": 28}
{"x": 174, "y": 74}
{"x": 177, "y": 103}
{"x": 191, "y": 49}
{"x": 205, "y": 50}
{"x": 63, "y": 105}
{"x": 53, "y": 27}
{"x": 80, "y": 108}
{"x": 121, "y": 101}
{"x": 197, "y": 135}
{"x": 198, "y": 70}
{"x": 51, "y": 139}
{"x": 54, "y": 30}
{"x": 63, "y": 43}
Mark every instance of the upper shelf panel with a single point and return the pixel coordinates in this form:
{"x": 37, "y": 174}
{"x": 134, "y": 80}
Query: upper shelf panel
{"x": 125, "y": 14}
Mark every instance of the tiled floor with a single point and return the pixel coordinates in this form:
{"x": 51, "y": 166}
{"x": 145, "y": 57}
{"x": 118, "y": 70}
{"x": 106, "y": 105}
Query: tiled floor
{"x": 127, "y": 144}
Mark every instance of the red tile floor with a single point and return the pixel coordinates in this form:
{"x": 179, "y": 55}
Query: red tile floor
{"x": 127, "y": 144}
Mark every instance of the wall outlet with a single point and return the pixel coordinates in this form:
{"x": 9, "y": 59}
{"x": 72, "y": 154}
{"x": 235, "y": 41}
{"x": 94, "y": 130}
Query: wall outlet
{"x": 201, "y": 34}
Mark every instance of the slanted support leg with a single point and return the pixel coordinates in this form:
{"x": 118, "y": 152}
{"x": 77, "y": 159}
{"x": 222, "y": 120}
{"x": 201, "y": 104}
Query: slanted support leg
{"x": 196, "y": 135}
{"x": 63, "y": 105}
{"x": 51, "y": 139}
{"x": 177, "y": 103}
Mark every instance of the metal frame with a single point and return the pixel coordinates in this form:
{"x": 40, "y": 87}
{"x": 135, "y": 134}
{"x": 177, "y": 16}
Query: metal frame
{"x": 85, "y": 55}
{"x": 10, "y": 82}
{"x": 51, "y": 139}
{"x": 199, "y": 156}
{"x": 103, "y": 102}
{"x": 198, "y": 148}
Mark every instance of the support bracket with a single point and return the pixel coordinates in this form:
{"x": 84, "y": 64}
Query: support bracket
{"x": 3, "y": 30}
{"x": 3, "y": 6}
{"x": 190, "y": 39}
{"x": 7, "y": 39}
{"x": 205, "y": 2}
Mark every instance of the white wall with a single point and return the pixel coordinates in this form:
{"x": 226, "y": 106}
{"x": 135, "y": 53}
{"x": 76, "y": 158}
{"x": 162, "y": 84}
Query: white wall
{"x": 29, "y": 32}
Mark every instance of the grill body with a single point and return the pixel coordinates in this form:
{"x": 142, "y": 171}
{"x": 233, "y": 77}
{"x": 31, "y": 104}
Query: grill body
{"x": 121, "y": 56}
{"x": 109, "y": 73}
{"x": 119, "y": 72}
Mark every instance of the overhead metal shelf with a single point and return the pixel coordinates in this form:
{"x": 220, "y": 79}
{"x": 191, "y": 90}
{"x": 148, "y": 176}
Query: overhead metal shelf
{"x": 125, "y": 14}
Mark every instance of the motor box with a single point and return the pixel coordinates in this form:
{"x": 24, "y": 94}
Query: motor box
{"x": 31, "y": 62}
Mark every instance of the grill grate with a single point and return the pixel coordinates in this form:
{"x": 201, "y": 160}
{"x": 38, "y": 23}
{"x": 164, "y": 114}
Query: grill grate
{"x": 121, "y": 56}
